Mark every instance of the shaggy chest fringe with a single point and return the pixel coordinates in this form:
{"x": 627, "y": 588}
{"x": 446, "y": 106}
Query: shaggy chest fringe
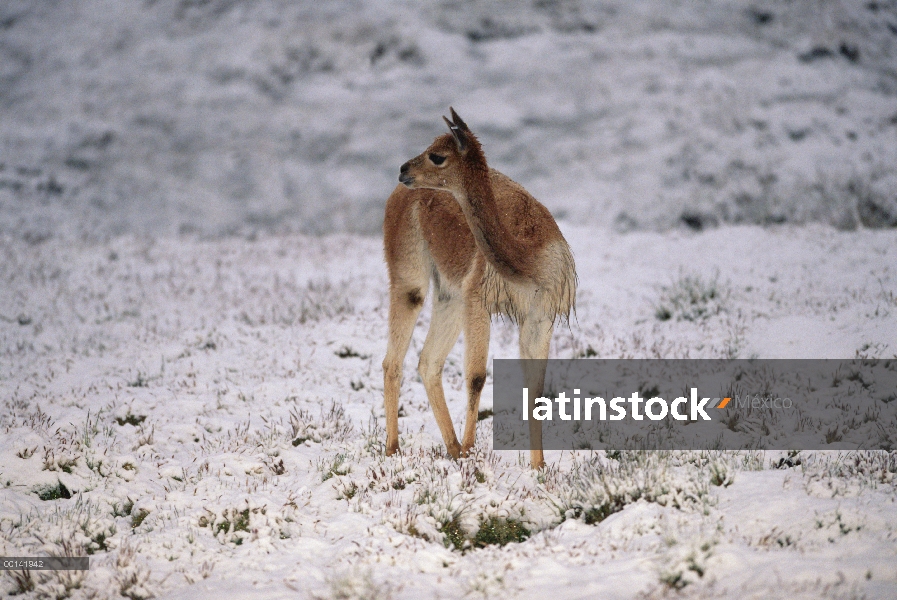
{"x": 554, "y": 300}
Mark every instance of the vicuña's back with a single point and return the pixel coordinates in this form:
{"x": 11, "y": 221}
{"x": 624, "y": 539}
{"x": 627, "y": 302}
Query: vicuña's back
{"x": 489, "y": 247}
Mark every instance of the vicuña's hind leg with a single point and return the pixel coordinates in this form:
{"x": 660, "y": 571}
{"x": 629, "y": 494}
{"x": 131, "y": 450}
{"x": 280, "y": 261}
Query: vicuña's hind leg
{"x": 405, "y": 303}
{"x": 476, "y": 352}
{"x": 445, "y": 326}
{"x": 535, "y": 341}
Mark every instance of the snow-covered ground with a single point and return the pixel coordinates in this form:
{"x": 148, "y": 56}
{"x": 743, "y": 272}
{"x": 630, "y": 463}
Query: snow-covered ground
{"x": 190, "y": 381}
{"x": 214, "y": 409}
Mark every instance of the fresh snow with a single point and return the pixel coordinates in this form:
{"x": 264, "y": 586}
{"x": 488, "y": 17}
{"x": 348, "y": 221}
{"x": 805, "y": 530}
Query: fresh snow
{"x": 191, "y": 325}
{"x": 169, "y": 378}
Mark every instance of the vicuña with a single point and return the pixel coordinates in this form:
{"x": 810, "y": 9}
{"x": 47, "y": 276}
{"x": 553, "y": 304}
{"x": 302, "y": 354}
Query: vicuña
{"x": 489, "y": 247}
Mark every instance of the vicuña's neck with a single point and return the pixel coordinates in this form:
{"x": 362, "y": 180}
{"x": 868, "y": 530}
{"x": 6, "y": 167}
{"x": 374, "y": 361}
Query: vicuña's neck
{"x": 504, "y": 252}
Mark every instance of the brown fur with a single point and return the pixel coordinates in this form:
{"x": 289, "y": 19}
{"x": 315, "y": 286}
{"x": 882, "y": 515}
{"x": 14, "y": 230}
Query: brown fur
{"x": 490, "y": 248}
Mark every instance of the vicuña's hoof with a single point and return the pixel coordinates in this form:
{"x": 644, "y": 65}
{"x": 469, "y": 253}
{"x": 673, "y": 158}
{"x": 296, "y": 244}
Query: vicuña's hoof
{"x": 537, "y": 459}
{"x": 465, "y": 450}
{"x": 392, "y": 448}
{"x": 454, "y": 451}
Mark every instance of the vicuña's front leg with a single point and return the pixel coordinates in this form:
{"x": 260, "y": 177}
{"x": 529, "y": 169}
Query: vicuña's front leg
{"x": 535, "y": 341}
{"x": 476, "y": 353}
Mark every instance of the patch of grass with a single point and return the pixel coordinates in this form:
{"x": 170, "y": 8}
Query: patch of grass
{"x": 141, "y": 381}
{"x": 335, "y": 467}
{"x": 690, "y": 298}
{"x": 720, "y": 475}
{"x": 54, "y": 492}
{"x": 454, "y": 534}
{"x": 495, "y": 531}
{"x": 833, "y": 435}
{"x": 61, "y": 458}
{"x": 346, "y": 491}
{"x": 731, "y": 420}
{"x": 231, "y": 522}
{"x": 594, "y": 489}
{"x": 596, "y": 514}
{"x": 124, "y": 509}
{"x": 589, "y": 352}
{"x": 355, "y": 584}
{"x": 649, "y": 392}
{"x": 100, "y": 540}
{"x": 484, "y": 414}
{"x": 673, "y": 580}
{"x": 240, "y": 523}
{"x": 786, "y": 462}
{"x": 133, "y": 579}
{"x": 348, "y": 352}
{"x": 138, "y": 518}
{"x": 130, "y": 419}
{"x": 331, "y": 424}
{"x": 26, "y": 453}
{"x": 23, "y": 580}
{"x": 873, "y": 468}
{"x": 382, "y": 478}
{"x": 688, "y": 565}
{"x": 324, "y": 300}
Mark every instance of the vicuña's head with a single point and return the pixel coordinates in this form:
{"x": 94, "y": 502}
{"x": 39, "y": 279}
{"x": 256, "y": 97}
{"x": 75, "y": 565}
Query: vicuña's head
{"x": 448, "y": 161}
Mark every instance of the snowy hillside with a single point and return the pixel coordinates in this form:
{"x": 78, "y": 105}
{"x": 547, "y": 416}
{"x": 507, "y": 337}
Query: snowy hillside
{"x": 216, "y": 116}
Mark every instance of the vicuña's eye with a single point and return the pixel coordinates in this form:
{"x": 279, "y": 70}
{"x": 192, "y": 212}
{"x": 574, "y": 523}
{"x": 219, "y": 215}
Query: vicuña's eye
{"x": 436, "y": 159}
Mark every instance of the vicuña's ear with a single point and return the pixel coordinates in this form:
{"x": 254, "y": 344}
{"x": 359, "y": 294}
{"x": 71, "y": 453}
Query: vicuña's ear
{"x": 460, "y": 138}
{"x": 458, "y": 121}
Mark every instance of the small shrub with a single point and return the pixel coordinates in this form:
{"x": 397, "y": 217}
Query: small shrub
{"x": 130, "y": 419}
{"x": 324, "y": 300}
{"x": 335, "y": 467}
{"x": 355, "y": 585}
{"x": 455, "y": 537}
{"x": 23, "y": 580}
{"x": 138, "y": 518}
{"x": 495, "y": 531}
{"x": 230, "y": 525}
{"x": 62, "y": 456}
{"x": 345, "y": 491}
{"x": 124, "y": 509}
{"x": 595, "y": 489}
{"x": 132, "y": 578}
{"x": 348, "y": 352}
{"x": 686, "y": 563}
{"x": 869, "y": 468}
{"x": 332, "y": 424}
{"x": 141, "y": 381}
{"x": 589, "y": 352}
{"x": 55, "y": 492}
{"x": 786, "y": 462}
{"x": 690, "y": 298}
{"x": 26, "y": 453}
